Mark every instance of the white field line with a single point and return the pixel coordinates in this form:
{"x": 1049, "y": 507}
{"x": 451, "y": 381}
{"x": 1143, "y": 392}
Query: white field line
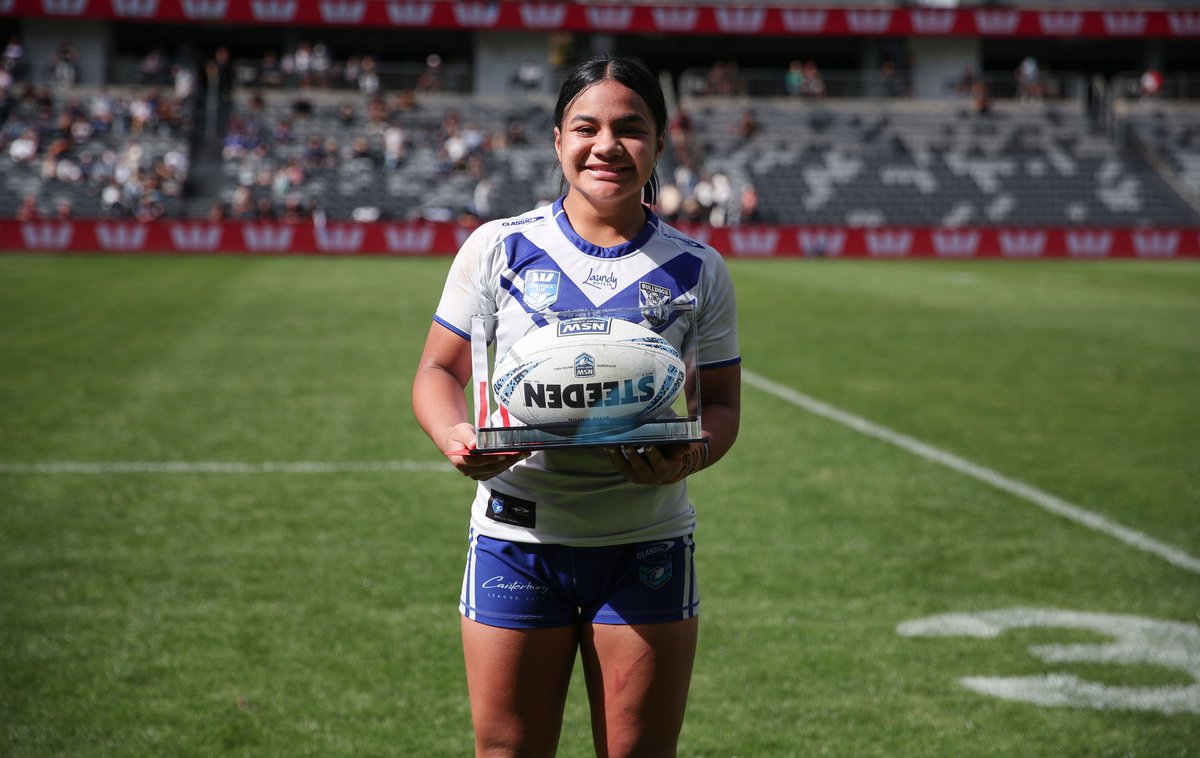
{"x": 219, "y": 467}
{"x": 1027, "y": 492}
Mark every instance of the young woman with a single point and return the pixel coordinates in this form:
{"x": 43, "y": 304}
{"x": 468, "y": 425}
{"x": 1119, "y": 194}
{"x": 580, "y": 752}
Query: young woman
{"x": 588, "y": 550}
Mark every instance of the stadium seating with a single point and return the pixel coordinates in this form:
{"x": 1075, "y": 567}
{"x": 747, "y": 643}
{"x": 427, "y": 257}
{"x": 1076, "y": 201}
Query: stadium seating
{"x": 857, "y": 162}
{"x": 92, "y": 152}
{"x": 1169, "y": 134}
{"x": 428, "y": 180}
{"x": 918, "y": 162}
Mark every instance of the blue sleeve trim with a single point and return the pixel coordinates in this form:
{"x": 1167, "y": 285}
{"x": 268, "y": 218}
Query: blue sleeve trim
{"x": 453, "y": 328}
{"x": 722, "y": 364}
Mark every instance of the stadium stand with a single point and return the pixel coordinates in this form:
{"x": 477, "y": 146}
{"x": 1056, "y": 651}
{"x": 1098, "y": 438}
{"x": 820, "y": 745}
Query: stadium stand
{"x": 1169, "y": 135}
{"x": 914, "y": 162}
{"x": 326, "y": 124}
{"x": 397, "y": 157}
{"x": 438, "y": 157}
{"x": 92, "y": 152}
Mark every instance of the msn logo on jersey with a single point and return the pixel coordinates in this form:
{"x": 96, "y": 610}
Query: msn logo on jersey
{"x": 572, "y": 327}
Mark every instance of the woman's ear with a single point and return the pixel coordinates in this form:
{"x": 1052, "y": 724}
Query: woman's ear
{"x": 558, "y": 143}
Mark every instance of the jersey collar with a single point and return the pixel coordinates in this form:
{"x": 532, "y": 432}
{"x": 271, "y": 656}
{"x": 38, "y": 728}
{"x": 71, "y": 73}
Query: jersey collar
{"x": 588, "y": 248}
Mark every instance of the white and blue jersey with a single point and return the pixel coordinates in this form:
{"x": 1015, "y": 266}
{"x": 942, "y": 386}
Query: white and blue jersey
{"x": 527, "y": 265}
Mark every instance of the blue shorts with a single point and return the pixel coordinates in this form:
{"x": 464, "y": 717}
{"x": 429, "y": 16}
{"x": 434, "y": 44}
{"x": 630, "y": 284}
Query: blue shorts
{"x": 523, "y": 585}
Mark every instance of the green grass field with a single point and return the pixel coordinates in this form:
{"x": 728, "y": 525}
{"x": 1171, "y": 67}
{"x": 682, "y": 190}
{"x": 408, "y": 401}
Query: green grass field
{"x": 256, "y": 611}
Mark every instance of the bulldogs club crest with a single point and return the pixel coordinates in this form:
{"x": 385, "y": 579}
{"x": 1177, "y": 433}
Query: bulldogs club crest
{"x": 651, "y": 299}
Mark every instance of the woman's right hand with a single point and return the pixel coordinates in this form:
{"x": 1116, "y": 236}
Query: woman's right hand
{"x": 478, "y": 466}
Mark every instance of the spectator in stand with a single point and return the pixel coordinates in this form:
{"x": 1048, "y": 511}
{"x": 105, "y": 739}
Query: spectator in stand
{"x": 67, "y": 171}
{"x": 723, "y": 78}
{"x": 368, "y": 77}
{"x": 172, "y": 170}
{"x": 80, "y": 128}
{"x": 747, "y": 127}
{"x": 529, "y": 76}
{"x": 321, "y": 65}
{"x": 217, "y": 211}
{"x": 332, "y": 149}
{"x": 301, "y": 64}
{"x": 150, "y": 205}
{"x": 360, "y": 150}
{"x": 270, "y": 74}
{"x": 1029, "y": 79}
{"x": 241, "y": 205}
{"x": 431, "y": 80}
{"x": 110, "y": 199}
{"x": 152, "y": 67}
{"x": 966, "y": 82}
{"x": 748, "y": 212}
{"x": 890, "y": 83}
{"x": 981, "y": 100}
{"x": 793, "y": 80}
{"x": 515, "y": 135}
{"x": 237, "y": 141}
{"x": 294, "y": 211}
{"x": 13, "y": 58}
{"x": 65, "y": 62}
{"x": 143, "y": 111}
{"x": 346, "y": 115}
{"x": 812, "y": 84}
{"x": 722, "y": 211}
{"x": 1150, "y": 83}
{"x": 28, "y": 210}
{"x": 680, "y": 135}
{"x": 314, "y": 153}
{"x": 453, "y": 153}
{"x": 6, "y": 106}
{"x": 183, "y": 82}
{"x": 266, "y": 209}
{"x": 350, "y": 71}
{"x": 101, "y": 109}
{"x": 394, "y": 148}
{"x": 24, "y": 148}
{"x": 378, "y": 118}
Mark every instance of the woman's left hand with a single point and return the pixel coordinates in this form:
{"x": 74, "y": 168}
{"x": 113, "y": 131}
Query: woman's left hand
{"x": 654, "y": 464}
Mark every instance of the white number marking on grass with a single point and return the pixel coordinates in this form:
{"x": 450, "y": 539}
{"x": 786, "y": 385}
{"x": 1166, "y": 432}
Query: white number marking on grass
{"x": 1022, "y": 490}
{"x": 1136, "y": 640}
{"x": 220, "y": 467}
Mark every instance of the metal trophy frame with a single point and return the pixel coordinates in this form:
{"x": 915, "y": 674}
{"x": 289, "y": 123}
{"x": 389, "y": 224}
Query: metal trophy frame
{"x": 676, "y": 425}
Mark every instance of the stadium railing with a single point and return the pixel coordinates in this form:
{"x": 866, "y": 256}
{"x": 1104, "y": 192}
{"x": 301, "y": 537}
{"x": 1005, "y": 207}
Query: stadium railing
{"x": 859, "y": 84}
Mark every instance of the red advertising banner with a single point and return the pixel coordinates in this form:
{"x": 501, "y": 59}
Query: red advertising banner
{"x": 409, "y": 239}
{"x": 632, "y": 18}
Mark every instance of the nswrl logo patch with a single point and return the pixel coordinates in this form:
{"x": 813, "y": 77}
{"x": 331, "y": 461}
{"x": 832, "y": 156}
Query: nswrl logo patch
{"x": 656, "y": 573}
{"x": 585, "y": 365}
{"x": 541, "y": 288}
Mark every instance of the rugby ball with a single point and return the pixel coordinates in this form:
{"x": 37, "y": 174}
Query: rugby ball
{"x": 588, "y": 369}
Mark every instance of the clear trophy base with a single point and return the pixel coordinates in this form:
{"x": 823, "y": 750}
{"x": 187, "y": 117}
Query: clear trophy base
{"x": 588, "y": 434}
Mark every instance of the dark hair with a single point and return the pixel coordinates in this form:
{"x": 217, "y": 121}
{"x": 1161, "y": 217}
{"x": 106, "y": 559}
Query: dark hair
{"x": 628, "y": 73}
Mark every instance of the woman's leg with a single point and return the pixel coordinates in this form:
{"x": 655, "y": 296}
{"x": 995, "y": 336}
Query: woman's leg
{"x": 517, "y": 680}
{"x": 637, "y": 679}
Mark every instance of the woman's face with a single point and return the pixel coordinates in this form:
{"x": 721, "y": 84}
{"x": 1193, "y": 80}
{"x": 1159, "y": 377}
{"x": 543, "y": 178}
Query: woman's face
{"x": 608, "y": 144}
